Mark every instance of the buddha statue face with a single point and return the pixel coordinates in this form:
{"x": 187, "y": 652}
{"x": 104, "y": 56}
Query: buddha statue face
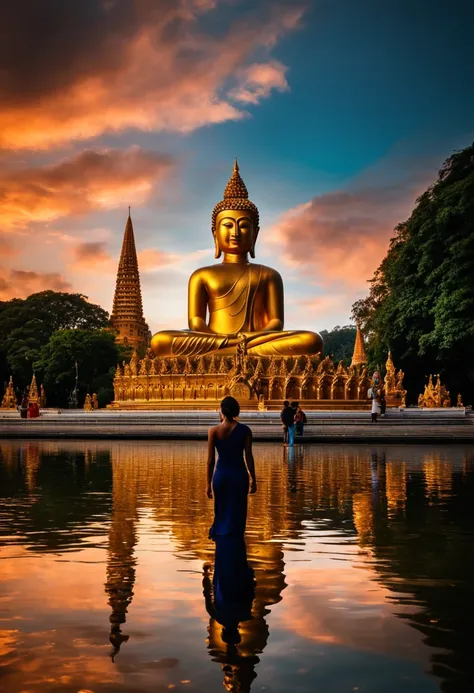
{"x": 235, "y": 233}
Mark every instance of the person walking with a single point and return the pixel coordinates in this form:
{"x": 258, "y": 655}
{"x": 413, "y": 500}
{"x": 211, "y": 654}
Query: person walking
{"x": 228, "y": 480}
{"x": 287, "y": 417}
{"x": 300, "y": 420}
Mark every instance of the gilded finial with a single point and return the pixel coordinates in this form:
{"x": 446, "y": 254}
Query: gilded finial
{"x": 236, "y": 188}
{"x": 128, "y": 210}
{"x": 236, "y": 197}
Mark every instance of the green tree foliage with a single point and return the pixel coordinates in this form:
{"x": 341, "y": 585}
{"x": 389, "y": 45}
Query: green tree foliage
{"x": 339, "y": 343}
{"x": 26, "y": 325}
{"x": 96, "y": 353}
{"x": 421, "y": 301}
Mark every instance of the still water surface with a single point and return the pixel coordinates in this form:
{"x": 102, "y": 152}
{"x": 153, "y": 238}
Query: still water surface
{"x": 362, "y": 559}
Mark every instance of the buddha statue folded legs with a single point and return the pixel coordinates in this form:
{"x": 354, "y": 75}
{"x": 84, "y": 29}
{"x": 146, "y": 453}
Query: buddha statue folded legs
{"x": 275, "y": 343}
{"x": 236, "y": 301}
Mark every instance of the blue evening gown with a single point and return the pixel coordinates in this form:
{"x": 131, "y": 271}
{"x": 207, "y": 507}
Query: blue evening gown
{"x": 230, "y": 485}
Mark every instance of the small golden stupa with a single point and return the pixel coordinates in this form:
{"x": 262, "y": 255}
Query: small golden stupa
{"x": 9, "y": 398}
{"x": 33, "y": 395}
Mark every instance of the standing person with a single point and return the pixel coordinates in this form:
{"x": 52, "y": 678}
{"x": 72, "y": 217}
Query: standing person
{"x": 300, "y": 420}
{"x": 287, "y": 417}
{"x": 229, "y": 478}
{"x": 376, "y": 408}
{"x": 24, "y": 407}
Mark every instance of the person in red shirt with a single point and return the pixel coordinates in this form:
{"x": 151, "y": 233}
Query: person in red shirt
{"x": 300, "y": 420}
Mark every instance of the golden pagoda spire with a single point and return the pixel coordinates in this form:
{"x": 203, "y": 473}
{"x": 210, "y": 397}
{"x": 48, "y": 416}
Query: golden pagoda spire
{"x": 359, "y": 357}
{"x": 389, "y": 364}
{"x": 127, "y": 313}
{"x": 33, "y": 391}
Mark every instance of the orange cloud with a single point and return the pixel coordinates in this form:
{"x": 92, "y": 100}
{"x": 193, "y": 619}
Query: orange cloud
{"x": 7, "y": 248}
{"x": 319, "y": 312}
{"x": 94, "y": 256}
{"x": 153, "y": 68}
{"x": 339, "y": 238}
{"x": 151, "y": 259}
{"x": 22, "y": 283}
{"x": 90, "y": 180}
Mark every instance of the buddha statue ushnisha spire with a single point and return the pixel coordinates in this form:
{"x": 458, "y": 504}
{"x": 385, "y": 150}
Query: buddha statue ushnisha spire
{"x": 236, "y": 197}
{"x": 127, "y": 313}
{"x": 236, "y": 187}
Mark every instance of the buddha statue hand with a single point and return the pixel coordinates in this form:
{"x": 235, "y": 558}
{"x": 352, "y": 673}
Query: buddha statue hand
{"x": 236, "y": 340}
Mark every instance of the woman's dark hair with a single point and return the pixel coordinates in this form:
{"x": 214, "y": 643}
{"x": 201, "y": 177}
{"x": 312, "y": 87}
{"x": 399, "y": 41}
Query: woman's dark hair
{"x": 230, "y": 408}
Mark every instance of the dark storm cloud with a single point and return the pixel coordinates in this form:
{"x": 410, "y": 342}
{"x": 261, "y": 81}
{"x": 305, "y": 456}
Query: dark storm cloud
{"x": 46, "y": 44}
{"x": 72, "y": 70}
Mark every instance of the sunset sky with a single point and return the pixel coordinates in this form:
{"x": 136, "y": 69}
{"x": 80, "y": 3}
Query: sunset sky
{"x": 340, "y": 113}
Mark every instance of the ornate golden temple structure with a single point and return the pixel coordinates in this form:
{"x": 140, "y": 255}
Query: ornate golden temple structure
{"x": 235, "y": 342}
{"x": 201, "y": 382}
{"x": 127, "y": 312}
{"x": 435, "y": 395}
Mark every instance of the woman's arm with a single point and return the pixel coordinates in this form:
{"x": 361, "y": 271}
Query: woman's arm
{"x": 250, "y": 461}
{"x": 211, "y": 460}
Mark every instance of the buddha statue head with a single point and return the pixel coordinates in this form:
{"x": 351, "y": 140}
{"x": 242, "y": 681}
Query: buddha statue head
{"x": 235, "y": 222}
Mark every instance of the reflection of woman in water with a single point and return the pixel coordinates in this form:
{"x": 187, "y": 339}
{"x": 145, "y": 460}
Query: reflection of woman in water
{"x": 229, "y": 600}
{"x": 230, "y": 479}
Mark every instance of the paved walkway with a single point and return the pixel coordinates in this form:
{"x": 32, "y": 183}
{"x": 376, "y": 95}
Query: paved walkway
{"x": 399, "y": 425}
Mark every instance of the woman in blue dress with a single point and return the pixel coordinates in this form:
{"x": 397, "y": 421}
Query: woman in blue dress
{"x": 228, "y": 482}
{"x": 229, "y": 478}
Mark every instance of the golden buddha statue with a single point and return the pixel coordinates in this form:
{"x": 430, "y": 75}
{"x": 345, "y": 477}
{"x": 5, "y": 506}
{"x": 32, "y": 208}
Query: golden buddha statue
{"x": 235, "y": 302}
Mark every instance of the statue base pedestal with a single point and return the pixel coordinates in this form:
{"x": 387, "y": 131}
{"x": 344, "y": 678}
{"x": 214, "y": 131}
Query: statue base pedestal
{"x": 256, "y": 382}
{"x": 250, "y": 405}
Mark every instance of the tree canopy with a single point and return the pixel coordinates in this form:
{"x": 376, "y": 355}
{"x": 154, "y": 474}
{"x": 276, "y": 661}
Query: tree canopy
{"x": 339, "y": 343}
{"x": 26, "y": 326}
{"x": 96, "y": 353}
{"x": 421, "y": 300}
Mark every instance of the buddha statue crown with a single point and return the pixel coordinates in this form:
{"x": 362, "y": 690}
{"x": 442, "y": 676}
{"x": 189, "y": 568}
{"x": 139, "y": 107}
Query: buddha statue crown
{"x": 236, "y": 197}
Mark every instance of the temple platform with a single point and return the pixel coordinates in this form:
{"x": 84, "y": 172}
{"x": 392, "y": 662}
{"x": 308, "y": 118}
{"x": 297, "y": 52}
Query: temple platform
{"x": 248, "y": 405}
{"x": 398, "y": 425}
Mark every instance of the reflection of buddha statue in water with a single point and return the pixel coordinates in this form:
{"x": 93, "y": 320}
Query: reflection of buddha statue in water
{"x": 235, "y": 302}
